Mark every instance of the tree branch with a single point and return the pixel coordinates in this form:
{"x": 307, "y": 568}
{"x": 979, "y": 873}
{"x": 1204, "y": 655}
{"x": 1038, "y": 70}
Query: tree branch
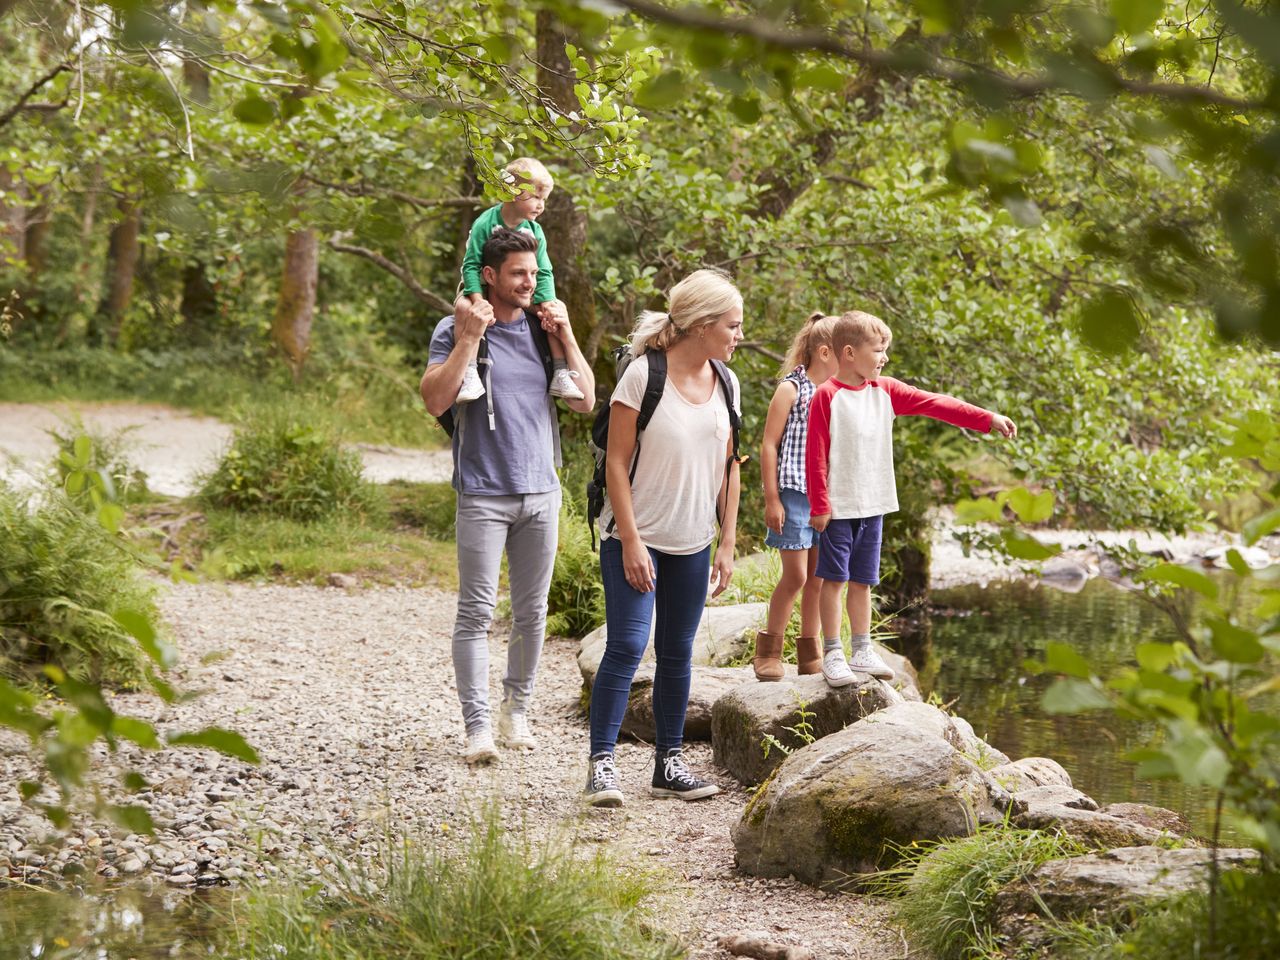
{"x": 397, "y": 271}
{"x": 917, "y": 61}
{"x": 31, "y": 91}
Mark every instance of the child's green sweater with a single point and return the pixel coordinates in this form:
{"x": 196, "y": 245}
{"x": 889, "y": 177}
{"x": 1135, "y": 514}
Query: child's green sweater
{"x": 480, "y": 230}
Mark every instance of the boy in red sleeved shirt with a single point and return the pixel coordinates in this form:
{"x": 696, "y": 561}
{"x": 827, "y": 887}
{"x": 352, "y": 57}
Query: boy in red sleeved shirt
{"x": 849, "y": 466}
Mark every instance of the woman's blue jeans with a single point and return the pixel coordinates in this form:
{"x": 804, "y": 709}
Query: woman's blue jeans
{"x": 674, "y": 609}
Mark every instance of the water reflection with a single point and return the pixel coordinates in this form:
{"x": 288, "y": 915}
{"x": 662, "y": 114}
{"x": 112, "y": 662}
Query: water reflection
{"x": 979, "y": 638}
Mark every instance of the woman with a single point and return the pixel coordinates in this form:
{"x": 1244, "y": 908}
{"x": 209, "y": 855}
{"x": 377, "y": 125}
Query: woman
{"x": 658, "y": 525}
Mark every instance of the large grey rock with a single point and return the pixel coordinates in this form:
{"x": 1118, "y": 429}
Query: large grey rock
{"x": 724, "y": 634}
{"x": 1109, "y": 886}
{"x": 743, "y": 720}
{"x": 1054, "y": 794}
{"x": 1031, "y": 772}
{"x": 707, "y": 686}
{"x": 835, "y": 808}
{"x": 1088, "y": 826}
{"x": 1158, "y": 818}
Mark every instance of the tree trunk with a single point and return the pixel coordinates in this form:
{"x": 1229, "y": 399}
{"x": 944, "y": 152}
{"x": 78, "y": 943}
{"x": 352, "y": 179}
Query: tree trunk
{"x": 291, "y": 326}
{"x": 199, "y": 306}
{"x": 37, "y": 243}
{"x": 563, "y": 222}
{"x": 123, "y": 250}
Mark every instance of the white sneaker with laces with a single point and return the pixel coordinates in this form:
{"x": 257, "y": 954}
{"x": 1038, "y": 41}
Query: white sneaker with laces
{"x": 866, "y": 660}
{"x": 480, "y": 748}
{"x": 513, "y": 729}
{"x": 472, "y": 388}
{"x": 836, "y": 670}
{"x": 562, "y": 384}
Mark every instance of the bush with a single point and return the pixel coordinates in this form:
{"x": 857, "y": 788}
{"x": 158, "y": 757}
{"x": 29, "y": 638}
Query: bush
{"x": 947, "y": 889}
{"x": 289, "y": 465}
{"x": 81, "y": 450}
{"x": 575, "y": 600}
{"x": 500, "y": 899}
{"x": 62, "y": 575}
{"x": 429, "y": 507}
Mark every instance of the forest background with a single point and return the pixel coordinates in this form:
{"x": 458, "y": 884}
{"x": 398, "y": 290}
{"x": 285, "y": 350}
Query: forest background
{"x": 1066, "y": 212}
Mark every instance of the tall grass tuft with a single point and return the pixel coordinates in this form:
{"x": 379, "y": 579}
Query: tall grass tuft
{"x": 946, "y": 889}
{"x": 62, "y": 575}
{"x": 575, "y": 600}
{"x": 501, "y": 898}
{"x": 289, "y": 464}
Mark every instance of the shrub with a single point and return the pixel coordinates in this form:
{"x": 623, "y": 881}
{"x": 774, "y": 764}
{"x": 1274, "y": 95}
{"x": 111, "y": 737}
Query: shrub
{"x": 62, "y": 576}
{"x": 288, "y": 464}
{"x": 502, "y": 898}
{"x": 81, "y": 450}
{"x": 429, "y": 507}
{"x": 575, "y": 600}
{"x": 947, "y": 889}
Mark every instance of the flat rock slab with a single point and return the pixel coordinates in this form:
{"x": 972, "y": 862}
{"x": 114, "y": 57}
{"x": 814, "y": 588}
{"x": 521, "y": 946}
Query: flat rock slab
{"x": 1107, "y": 886}
{"x": 837, "y": 808}
{"x": 1031, "y": 772}
{"x": 707, "y": 686}
{"x": 756, "y": 725}
{"x": 1088, "y": 826}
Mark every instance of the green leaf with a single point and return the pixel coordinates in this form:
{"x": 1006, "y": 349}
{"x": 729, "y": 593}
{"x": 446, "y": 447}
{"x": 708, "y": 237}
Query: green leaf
{"x": 1198, "y": 760}
{"x": 82, "y": 448}
{"x": 746, "y": 109}
{"x": 822, "y": 77}
{"x": 1031, "y": 507}
{"x": 254, "y": 110}
{"x": 139, "y": 731}
{"x": 1136, "y": 16}
{"x": 984, "y": 510}
{"x": 1109, "y": 323}
{"x": 132, "y": 817}
{"x": 110, "y": 516}
{"x": 1156, "y": 656}
{"x": 28, "y": 789}
{"x": 138, "y": 625}
{"x": 1063, "y": 658}
{"x": 1074, "y": 696}
{"x": 1178, "y": 576}
{"x": 222, "y": 740}
{"x": 1234, "y": 643}
{"x": 665, "y": 90}
{"x": 134, "y": 781}
{"x": 1023, "y": 546}
{"x": 1257, "y": 528}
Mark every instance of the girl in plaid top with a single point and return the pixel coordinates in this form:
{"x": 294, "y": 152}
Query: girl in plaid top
{"x": 810, "y": 361}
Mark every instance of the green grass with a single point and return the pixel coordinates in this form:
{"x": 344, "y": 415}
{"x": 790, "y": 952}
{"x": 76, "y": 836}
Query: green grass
{"x": 367, "y": 393}
{"x": 502, "y": 897}
{"x": 946, "y": 890}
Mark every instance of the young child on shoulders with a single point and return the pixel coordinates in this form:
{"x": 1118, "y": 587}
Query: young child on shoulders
{"x": 521, "y": 212}
{"x": 809, "y": 362}
{"x": 849, "y": 469}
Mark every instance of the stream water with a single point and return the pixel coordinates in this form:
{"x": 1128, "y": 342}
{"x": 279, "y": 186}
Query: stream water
{"x": 981, "y": 637}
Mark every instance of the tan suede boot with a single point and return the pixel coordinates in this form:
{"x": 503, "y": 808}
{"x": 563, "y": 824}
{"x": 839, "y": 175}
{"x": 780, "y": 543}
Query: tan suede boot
{"x": 768, "y": 660}
{"x": 808, "y": 655}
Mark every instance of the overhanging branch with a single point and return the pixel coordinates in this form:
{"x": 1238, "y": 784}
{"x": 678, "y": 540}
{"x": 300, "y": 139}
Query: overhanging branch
{"x": 397, "y": 271}
{"x": 21, "y": 103}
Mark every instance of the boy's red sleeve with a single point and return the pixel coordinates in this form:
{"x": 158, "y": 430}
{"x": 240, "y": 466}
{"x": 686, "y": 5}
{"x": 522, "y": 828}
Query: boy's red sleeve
{"x": 816, "y": 451}
{"x": 909, "y": 401}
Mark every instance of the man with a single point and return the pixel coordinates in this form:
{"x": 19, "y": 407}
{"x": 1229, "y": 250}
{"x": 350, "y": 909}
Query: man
{"x": 505, "y": 454}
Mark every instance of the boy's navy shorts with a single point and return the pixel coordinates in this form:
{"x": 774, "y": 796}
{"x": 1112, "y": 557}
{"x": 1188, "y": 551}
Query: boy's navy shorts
{"x": 850, "y": 550}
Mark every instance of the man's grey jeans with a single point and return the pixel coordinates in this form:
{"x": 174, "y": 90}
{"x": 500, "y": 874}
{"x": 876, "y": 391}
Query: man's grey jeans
{"x": 526, "y": 526}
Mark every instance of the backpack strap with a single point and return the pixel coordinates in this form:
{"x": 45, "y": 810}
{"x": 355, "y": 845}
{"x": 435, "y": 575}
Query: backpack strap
{"x": 735, "y": 427}
{"x": 656, "y": 383}
{"x": 543, "y": 345}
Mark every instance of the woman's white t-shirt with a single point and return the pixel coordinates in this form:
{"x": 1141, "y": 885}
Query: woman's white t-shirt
{"x": 681, "y": 465}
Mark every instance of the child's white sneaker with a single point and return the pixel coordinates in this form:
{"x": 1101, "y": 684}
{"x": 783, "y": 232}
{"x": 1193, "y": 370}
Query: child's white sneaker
{"x": 472, "y": 388}
{"x": 836, "y": 670}
{"x": 562, "y": 384}
{"x": 866, "y": 660}
{"x": 481, "y": 750}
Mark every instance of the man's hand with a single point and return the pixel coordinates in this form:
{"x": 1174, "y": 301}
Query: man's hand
{"x": 819, "y": 521}
{"x": 1003, "y": 425}
{"x": 471, "y": 318}
{"x": 555, "y": 319}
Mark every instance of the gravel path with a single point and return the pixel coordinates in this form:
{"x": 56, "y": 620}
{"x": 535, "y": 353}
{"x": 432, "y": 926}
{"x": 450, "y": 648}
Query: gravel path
{"x": 349, "y": 698}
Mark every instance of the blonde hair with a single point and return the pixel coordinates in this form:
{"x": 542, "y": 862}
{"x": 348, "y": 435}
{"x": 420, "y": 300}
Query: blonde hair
{"x": 524, "y": 171}
{"x": 855, "y": 328}
{"x": 815, "y": 332}
{"x": 702, "y": 297}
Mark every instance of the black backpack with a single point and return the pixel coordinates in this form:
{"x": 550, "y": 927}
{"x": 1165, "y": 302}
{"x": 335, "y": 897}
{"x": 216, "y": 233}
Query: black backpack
{"x": 596, "y": 489}
{"x": 446, "y": 419}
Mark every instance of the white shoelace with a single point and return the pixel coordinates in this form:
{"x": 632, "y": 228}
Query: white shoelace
{"x": 605, "y": 776}
{"x": 674, "y": 768}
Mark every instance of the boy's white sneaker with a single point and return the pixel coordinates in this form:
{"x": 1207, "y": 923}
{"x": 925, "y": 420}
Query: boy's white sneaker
{"x": 562, "y": 384}
{"x": 481, "y": 750}
{"x": 513, "y": 729}
{"x": 866, "y": 660}
{"x": 836, "y": 670}
{"x": 472, "y": 388}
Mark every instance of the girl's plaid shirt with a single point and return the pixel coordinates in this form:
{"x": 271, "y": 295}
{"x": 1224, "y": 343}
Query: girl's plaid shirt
{"x": 794, "y": 433}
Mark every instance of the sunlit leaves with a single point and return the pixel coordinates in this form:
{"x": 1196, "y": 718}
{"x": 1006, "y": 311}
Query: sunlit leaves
{"x": 217, "y": 738}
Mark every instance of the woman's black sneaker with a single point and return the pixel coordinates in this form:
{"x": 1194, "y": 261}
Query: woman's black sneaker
{"x": 673, "y": 778}
{"x": 602, "y": 782}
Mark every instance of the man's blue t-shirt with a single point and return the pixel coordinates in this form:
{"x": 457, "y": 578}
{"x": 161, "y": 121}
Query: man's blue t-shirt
{"x": 518, "y": 455}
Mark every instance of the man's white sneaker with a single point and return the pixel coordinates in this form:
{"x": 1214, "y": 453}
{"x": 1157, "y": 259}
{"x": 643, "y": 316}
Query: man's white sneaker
{"x": 866, "y": 660}
{"x": 472, "y": 388}
{"x": 480, "y": 748}
{"x": 513, "y": 730}
{"x": 836, "y": 670}
{"x": 562, "y": 385}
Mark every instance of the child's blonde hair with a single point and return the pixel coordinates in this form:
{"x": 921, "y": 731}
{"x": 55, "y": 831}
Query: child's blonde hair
{"x": 815, "y": 332}
{"x": 523, "y": 172}
{"x": 855, "y": 328}
{"x": 702, "y": 297}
